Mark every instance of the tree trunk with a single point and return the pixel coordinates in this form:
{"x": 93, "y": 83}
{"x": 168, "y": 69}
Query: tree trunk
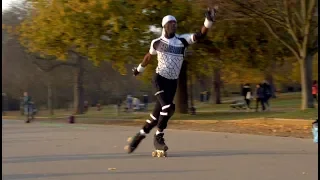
{"x": 191, "y": 92}
{"x": 182, "y": 91}
{"x": 269, "y": 77}
{"x": 78, "y": 87}
{"x": 216, "y": 86}
{"x": 50, "y": 97}
{"x": 306, "y": 82}
{"x": 202, "y": 84}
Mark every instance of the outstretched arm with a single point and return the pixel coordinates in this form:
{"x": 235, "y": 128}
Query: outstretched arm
{"x": 210, "y": 17}
{"x": 146, "y": 60}
{"x": 142, "y": 65}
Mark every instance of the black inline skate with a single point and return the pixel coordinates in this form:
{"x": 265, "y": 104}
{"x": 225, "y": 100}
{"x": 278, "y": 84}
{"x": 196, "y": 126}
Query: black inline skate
{"x": 160, "y": 147}
{"x": 134, "y": 142}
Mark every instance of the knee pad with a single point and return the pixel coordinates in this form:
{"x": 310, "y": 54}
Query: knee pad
{"x": 168, "y": 110}
{"x": 150, "y": 124}
{"x": 172, "y": 110}
{"x": 160, "y": 96}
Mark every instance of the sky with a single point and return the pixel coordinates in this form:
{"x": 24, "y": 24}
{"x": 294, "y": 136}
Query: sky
{"x": 6, "y": 3}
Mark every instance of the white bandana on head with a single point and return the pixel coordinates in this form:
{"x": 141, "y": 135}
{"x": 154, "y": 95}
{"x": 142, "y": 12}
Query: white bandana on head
{"x": 165, "y": 20}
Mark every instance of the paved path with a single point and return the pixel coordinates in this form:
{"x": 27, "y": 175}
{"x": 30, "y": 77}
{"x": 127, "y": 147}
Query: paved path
{"x": 85, "y": 152}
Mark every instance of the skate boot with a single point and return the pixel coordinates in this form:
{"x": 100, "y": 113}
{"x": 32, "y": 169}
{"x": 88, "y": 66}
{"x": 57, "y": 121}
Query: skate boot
{"x": 160, "y": 146}
{"x": 134, "y": 142}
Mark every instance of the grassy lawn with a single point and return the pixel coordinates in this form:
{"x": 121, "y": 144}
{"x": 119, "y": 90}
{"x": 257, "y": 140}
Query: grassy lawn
{"x": 285, "y": 106}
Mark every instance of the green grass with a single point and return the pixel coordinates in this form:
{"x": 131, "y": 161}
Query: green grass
{"x": 308, "y": 115}
{"x": 286, "y": 106}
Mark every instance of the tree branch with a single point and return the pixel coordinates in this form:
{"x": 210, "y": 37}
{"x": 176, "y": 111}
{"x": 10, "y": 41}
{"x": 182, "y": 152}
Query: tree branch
{"x": 313, "y": 51}
{"x": 52, "y": 67}
{"x": 306, "y": 32}
{"x": 262, "y": 14}
{"x": 298, "y": 17}
{"x": 289, "y": 24}
{"x": 303, "y": 9}
{"x": 47, "y": 58}
{"x": 297, "y": 26}
{"x": 295, "y": 53}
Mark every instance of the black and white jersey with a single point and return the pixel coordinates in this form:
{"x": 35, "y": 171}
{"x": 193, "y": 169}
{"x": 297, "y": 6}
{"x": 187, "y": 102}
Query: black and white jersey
{"x": 170, "y": 54}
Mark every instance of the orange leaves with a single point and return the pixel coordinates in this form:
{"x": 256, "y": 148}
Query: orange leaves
{"x": 8, "y": 28}
{"x": 105, "y": 6}
{"x": 60, "y": 26}
{"x": 235, "y": 73}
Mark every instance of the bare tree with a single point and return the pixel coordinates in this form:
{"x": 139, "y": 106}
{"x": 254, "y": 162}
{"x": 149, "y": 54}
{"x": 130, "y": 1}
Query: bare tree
{"x": 295, "y": 24}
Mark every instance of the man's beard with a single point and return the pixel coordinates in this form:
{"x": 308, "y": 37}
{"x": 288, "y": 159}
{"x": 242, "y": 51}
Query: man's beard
{"x": 170, "y": 34}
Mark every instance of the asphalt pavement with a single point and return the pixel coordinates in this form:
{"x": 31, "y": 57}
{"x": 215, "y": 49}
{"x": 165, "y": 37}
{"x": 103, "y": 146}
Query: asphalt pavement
{"x": 47, "y": 151}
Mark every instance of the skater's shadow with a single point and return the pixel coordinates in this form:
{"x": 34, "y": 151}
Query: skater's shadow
{"x": 107, "y": 173}
{"x": 72, "y": 157}
{"x": 145, "y": 155}
{"x": 214, "y": 153}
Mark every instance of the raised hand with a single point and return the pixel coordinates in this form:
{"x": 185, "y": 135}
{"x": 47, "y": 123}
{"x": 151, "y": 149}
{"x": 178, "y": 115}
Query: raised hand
{"x": 211, "y": 13}
{"x": 135, "y": 71}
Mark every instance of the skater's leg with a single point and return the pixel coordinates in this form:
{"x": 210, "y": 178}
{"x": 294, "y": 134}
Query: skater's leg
{"x": 257, "y": 104}
{"x": 165, "y": 94}
{"x": 168, "y": 109}
{"x": 153, "y": 120}
{"x": 149, "y": 124}
{"x": 262, "y": 101}
{"x": 266, "y": 102}
{"x": 166, "y": 90}
{"x": 247, "y": 102}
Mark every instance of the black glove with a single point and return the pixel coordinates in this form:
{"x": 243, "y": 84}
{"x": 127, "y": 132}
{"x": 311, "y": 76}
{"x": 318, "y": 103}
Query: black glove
{"x": 135, "y": 71}
{"x": 211, "y": 13}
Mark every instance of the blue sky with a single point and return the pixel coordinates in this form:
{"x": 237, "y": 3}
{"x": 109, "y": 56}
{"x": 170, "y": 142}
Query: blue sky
{"x": 6, "y": 3}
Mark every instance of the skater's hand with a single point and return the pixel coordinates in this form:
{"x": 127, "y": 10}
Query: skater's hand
{"x": 211, "y": 13}
{"x": 135, "y": 71}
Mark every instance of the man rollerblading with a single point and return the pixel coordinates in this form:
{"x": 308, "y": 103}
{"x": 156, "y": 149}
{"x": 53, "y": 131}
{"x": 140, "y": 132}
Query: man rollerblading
{"x": 170, "y": 50}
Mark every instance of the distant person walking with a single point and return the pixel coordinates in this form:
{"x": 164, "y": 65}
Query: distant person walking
{"x": 247, "y": 94}
{"x": 315, "y": 90}
{"x": 129, "y": 103}
{"x": 259, "y": 97}
{"x": 145, "y": 101}
{"x": 267, "y": 93}
{"x": 28, "y": 106}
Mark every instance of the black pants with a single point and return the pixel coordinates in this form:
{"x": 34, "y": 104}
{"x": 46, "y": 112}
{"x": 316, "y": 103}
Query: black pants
{"x": 165, "y": 92}
{"x": 261, "y": 101}
{"x": 247, "y": 102}
{"x": 315, "y": 97}
{"x": 266, "y": 100}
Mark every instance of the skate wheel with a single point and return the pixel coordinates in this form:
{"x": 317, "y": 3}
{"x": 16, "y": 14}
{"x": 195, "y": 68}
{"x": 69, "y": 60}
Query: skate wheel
{"x": 165, "y": 154}
{"x": 129, "y": 139}
{"x": 161, "y": 154}
{"x": 154, "y": 154}
{"x": 127, "y": 148}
